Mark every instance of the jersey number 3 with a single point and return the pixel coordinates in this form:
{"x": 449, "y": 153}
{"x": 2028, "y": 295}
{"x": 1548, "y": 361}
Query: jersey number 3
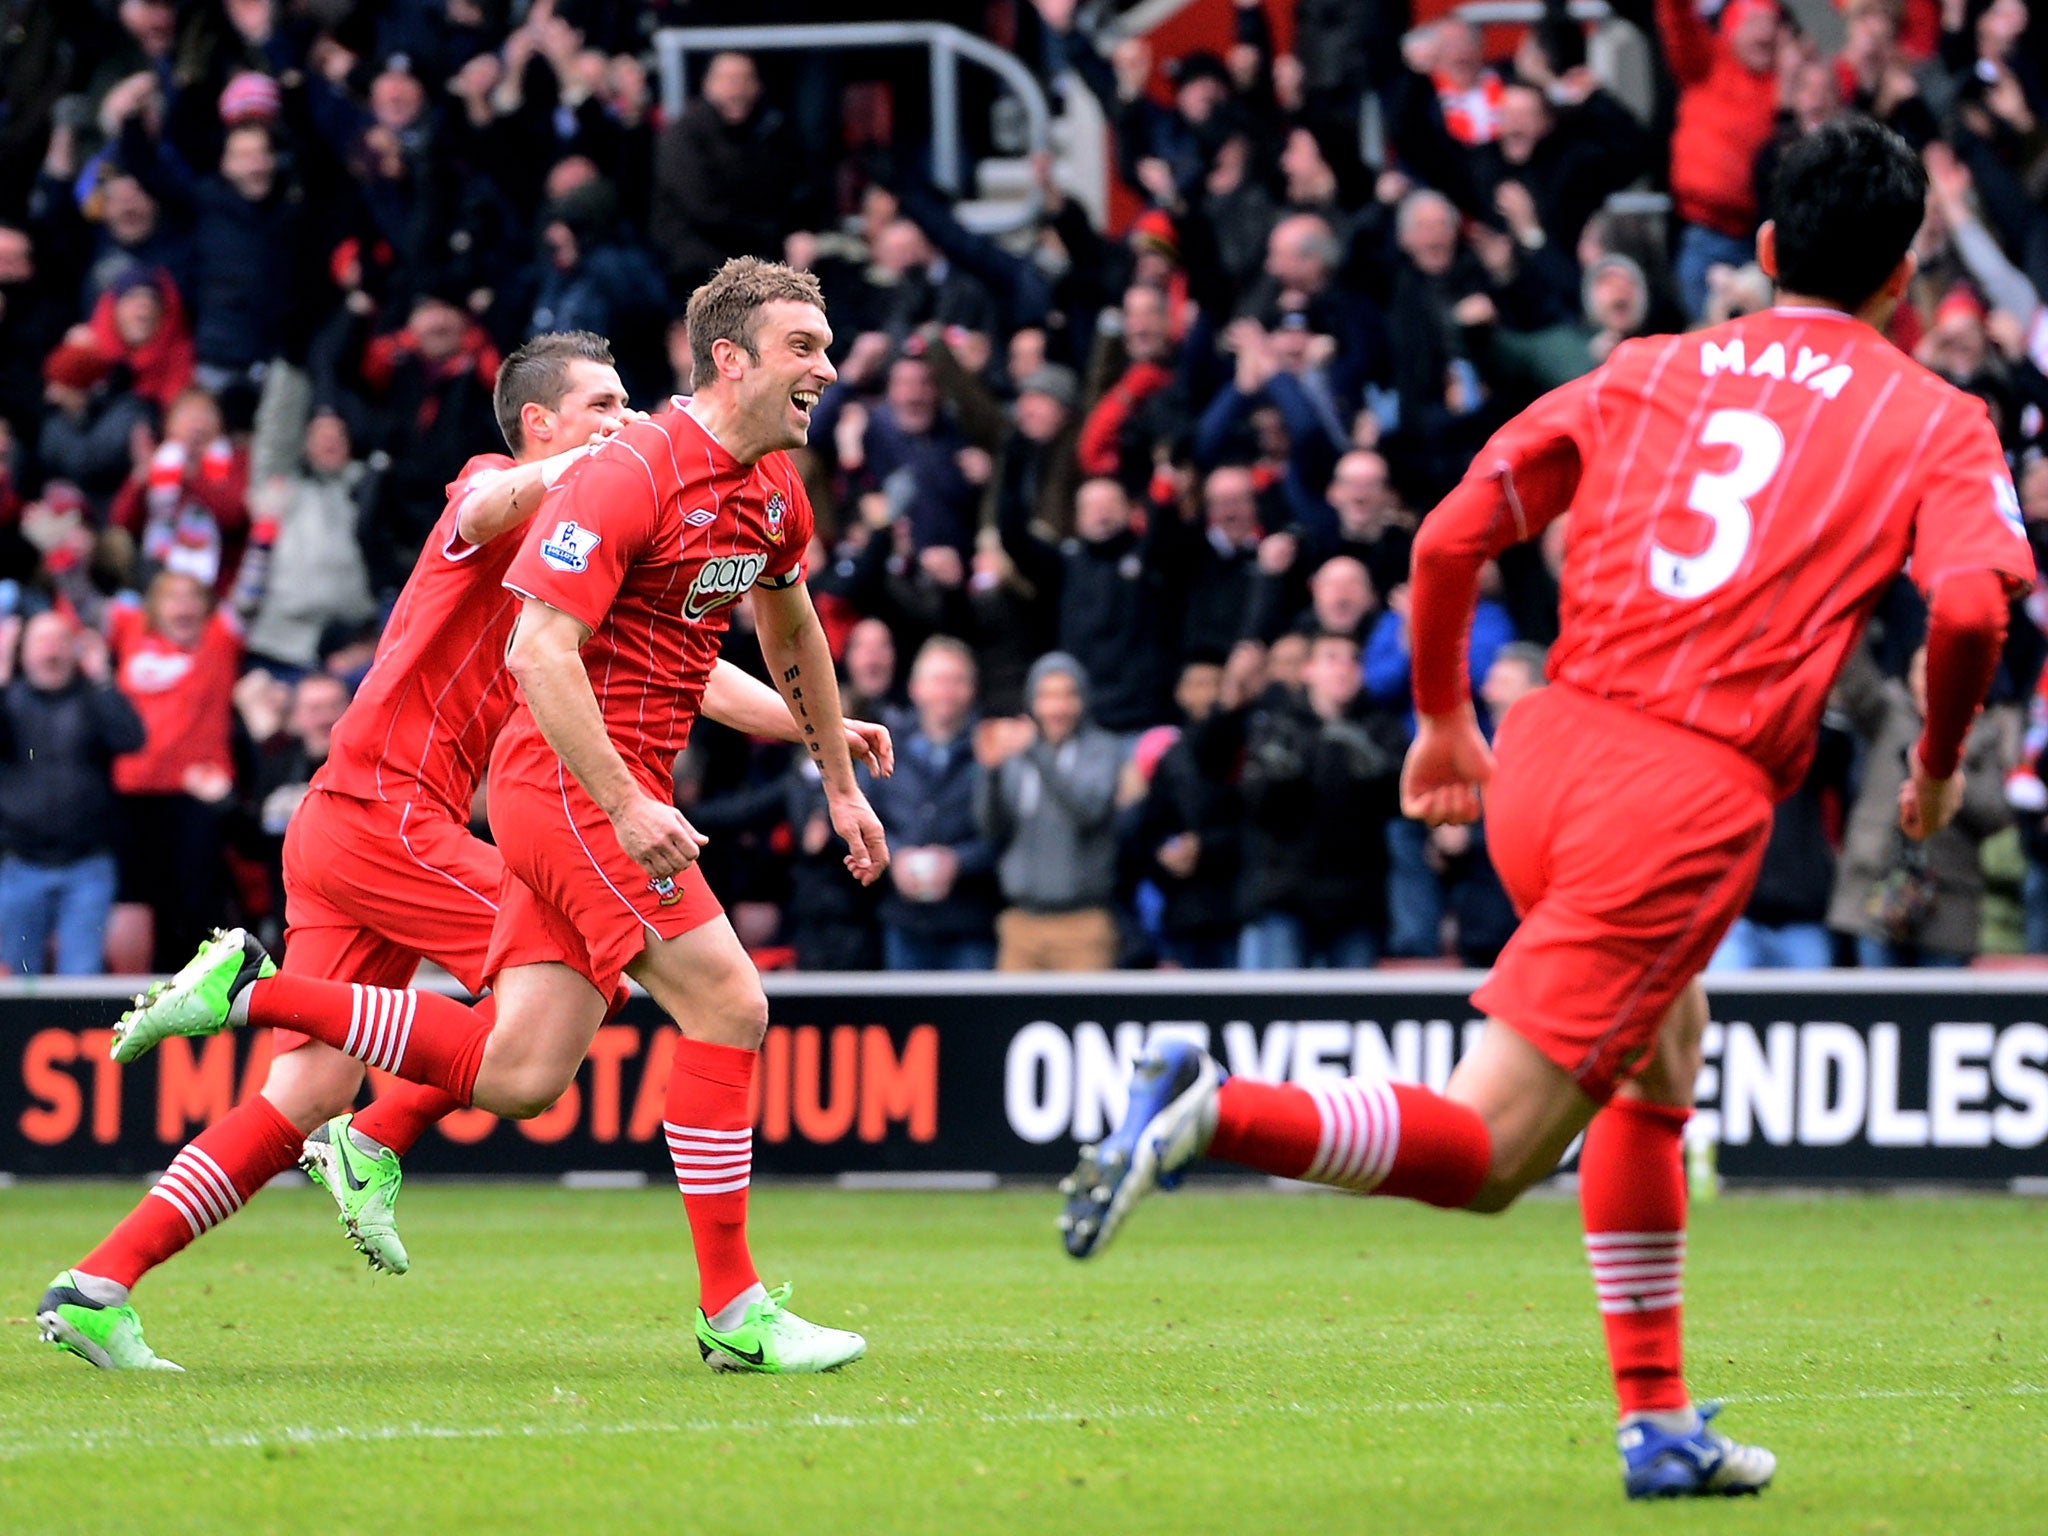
{"x": 1723, "y": 499}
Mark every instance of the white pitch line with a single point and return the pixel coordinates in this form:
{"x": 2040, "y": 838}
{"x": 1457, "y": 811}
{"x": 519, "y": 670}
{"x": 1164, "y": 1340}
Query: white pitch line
{"x": 343, "y": 1434}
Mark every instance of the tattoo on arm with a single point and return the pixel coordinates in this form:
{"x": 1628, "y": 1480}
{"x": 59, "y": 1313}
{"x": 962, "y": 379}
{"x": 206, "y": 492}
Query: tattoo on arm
{"x": 796, "y": 702}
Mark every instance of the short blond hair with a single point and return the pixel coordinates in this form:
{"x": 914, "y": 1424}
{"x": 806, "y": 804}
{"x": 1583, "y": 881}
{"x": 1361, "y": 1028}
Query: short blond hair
{"x": 728, "y": 306}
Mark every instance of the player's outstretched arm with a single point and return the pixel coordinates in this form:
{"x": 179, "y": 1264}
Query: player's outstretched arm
{"x": 546, "y": 657}
{"x": 737, "y": 700}
{"x": 1966, "y": 616}
{"x": 793, "y": 644}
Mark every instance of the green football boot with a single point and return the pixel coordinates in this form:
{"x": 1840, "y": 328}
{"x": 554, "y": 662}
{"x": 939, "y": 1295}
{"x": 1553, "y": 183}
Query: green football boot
{"x": 196, "y": 1001}
{"x": 773, "y": 1339}
{"x": 108, "y": 1337}
{"x": 366, "y": 1189}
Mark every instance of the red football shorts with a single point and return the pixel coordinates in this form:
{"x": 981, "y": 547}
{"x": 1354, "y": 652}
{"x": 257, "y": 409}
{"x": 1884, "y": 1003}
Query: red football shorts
{"x": 371, "y": 888}
{"x": 573, "y": 897}
{"x": 1629, "y": 846}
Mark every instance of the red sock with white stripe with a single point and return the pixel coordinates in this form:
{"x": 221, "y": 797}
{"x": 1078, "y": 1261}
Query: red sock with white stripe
{"x": 401, "y": 1113}
{"x": 420, "y": 1036}
{"x": 1632, "y": 1199}
{"x": 711, "y": 1143}
{"x": 207, "y": 1182}
{"x": 1362, "y": 1134}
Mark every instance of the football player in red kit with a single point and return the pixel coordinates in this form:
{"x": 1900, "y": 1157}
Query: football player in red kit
{"x": 627, "y": 578}
{"x": 1739, "y": 499}
{"x": 380, "y": 867}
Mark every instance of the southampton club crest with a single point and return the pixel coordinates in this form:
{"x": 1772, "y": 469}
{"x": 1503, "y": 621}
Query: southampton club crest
{"x": 776, "y": 507}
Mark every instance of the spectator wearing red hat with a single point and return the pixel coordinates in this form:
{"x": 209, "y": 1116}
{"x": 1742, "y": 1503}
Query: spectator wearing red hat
{"x": 250, "y": 98}
{"x": 1156, "y": 263}
{"x": 88, "y": 431}
{"x": 1728, "y": 92}
{"x": 140, "y": 320}
{"x": 1957, "y": 346}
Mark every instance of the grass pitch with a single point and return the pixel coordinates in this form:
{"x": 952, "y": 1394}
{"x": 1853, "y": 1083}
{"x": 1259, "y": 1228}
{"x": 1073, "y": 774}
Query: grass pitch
{"x": 1240, "y": 1362}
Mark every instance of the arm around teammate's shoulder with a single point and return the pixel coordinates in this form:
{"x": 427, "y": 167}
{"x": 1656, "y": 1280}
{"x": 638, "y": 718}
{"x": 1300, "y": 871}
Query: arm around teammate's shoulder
{"x": 506, "y": 498}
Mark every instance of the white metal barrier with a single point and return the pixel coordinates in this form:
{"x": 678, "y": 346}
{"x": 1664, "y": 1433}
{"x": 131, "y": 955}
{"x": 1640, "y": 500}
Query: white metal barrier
{"x": 945, "y": 46}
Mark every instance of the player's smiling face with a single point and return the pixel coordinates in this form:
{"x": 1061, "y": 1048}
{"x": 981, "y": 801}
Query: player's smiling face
{"x": 593, "y": 404}
{"x": 788, "y": 372}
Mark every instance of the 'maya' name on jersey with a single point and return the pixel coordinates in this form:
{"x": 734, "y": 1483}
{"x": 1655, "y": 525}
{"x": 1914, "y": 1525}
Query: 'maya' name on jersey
{"x": 1739, "y": 498}
{"x": 649, "y": 541}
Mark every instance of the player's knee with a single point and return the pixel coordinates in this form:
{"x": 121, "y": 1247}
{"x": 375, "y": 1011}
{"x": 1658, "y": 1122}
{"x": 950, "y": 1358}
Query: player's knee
{"x": 729, "y": 1007}
{"x": 1671, "y": 1074}
{"x": 531, "y": 1089}
{"x": 743, "y": 1012}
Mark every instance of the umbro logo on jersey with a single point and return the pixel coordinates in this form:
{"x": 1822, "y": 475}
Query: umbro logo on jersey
{"x": 568, "y": 548}
{"x": 721, "y": 581}
{"x": 701, "y": 517}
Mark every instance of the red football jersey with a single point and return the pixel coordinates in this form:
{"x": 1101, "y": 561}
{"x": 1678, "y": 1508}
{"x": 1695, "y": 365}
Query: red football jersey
{"x": 1740, "y": 499}
{"x": 437, "y": 694}
{"x": 649, "y": 541}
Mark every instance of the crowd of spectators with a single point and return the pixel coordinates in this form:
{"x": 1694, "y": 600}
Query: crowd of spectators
{"x": 1114, "y": 526}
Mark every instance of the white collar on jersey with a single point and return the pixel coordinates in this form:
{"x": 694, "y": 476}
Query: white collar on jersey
{"x": 690, "y": 410}
{"x": 1811, "y": 311}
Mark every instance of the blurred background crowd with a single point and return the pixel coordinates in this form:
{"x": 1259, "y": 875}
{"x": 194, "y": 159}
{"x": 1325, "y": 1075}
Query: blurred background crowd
{"x": 1115, "y": 507}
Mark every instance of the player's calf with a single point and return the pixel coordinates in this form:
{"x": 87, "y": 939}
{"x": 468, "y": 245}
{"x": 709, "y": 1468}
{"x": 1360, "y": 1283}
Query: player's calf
{"x": 312, "y": 1084}
{"x": 1530, "y": 1109}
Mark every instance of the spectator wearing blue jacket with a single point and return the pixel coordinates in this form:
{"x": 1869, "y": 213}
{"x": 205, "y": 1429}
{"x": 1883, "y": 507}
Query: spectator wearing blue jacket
{"x": 1387, "y": 680}
{"x": 907, "y": 448}
{"x": 248, "y": 250}
{"x": 938, "y": 913}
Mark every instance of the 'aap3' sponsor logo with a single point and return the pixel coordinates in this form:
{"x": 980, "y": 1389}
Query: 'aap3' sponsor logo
{"x": 721, "y": 581}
